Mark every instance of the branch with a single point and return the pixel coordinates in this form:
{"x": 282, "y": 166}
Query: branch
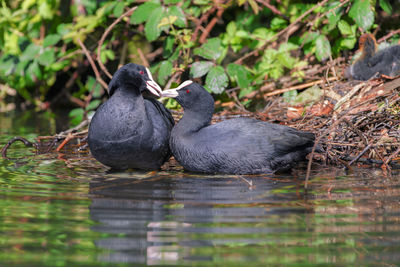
{"x": 200, "y": 21}
{"x": 103, "y": 38}
{"x": 23, "y": 140}
{"x": 387, "y": 36}
{"x": 301, "y": 86}
{"x": 143, "y": 58}
{"x": 273, "y": 8}
{"x": 96, "y": 71}
{"x": 211, "y": 25}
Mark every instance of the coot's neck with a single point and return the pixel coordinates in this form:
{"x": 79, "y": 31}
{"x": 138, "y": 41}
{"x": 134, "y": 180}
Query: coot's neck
{"x": 369, "y": 48}
{"x": 195, "y": 118}
{"x": 127, "y": 91}
{"x": 130, "y": 98}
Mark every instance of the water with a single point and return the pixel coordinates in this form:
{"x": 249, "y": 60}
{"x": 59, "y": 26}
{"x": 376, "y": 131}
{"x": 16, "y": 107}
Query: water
{"x": 63, "y": 209}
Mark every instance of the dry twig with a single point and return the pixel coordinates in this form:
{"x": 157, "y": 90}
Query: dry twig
{"x": 95, "y": 70}
{"x": 103, "y": 38}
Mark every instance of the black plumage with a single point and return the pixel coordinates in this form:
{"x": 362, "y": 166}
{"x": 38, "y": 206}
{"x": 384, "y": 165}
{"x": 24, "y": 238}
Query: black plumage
{"x": 129, "y": 130}
{"x": 373, "y": 63}
{"x": 236, "y": 146}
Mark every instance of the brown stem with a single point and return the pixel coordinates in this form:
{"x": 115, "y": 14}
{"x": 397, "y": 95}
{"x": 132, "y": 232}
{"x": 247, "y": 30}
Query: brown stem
{"x": 66, "y": 140}
{"x": 18, "y": 138}
{"x": 272, "y": 8}
{"x": 143, "y": 57}
{"x": 200, "y": 21}
{"x": 211, "y": 25}
{"x": 301, "y": 86}
{"x": 387, "y": 36}
{"x": 103, "y": 38}
{"x": 95, "y": 70}
{"x": 316, "y": 144}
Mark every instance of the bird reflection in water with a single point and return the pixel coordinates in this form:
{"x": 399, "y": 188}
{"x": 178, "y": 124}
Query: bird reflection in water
{"x": 161, "y": 220}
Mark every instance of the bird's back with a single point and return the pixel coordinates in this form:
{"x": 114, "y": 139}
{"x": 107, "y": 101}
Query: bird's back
{"x": 243, "y": 146}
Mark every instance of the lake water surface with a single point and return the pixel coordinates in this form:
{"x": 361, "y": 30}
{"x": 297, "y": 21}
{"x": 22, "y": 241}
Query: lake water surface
{"x": 65, "y": 209}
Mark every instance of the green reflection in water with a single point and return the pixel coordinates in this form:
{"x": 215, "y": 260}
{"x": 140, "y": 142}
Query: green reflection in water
{"x": 65, "y": 210}
{"x": 44, "y": 218}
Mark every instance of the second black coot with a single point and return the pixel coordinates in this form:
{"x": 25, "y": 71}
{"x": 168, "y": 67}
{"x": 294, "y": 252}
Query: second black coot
{"x": 129, "y": 130}
{"x": 374, "y": 63}
{"x": 236, "y": 146}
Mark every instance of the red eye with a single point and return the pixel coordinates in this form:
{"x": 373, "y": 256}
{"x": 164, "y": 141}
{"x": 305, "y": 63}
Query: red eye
{"x": 187, "y": 91}
{"x": 141, "y": 72}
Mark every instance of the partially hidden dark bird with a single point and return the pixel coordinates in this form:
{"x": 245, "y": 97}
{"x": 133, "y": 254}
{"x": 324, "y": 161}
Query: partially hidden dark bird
{"x": 235, "y": 146}
{"x": 130, "y": 130}
{"x": 373, "y": 63}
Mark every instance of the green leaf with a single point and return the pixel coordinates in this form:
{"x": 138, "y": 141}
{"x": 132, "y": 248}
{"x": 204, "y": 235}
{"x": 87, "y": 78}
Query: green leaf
{"x": 47, "y": 57}
{"x": 177, "y": 12}
{"x": 286, "y": 60}
{"x": 33, "y": 73}
{"x": 288, "y": 46}
{"x": 165, "y": 71}
{"x": 76, "y": 116}
{"x": 289, "y": 96}
{"x": 20, "y": 68}
{"x": 168, "y": 46}
{"x": 45, "y": 10}
{"x": 151, "y": 29}
{"x": 51, "y": 39}
{"x": 361, "y": 12}
{"x": 93, "y": 104}
{"x": 246, "y": 91}
{"x": 278, "y": 23}
{"x": 310, "y": 95}
{"x": 27, "y": 4}
{"x": 344, "y": 28}
{"x": 210, "y": 50}
{"x": 118, "y": 9}
{"x": 63, "y": 29}
{"x": 109, "y": 54}
{"x": 167, "y": 21}
{"x": 333, "y": 16}
{"x": 309, "y": 37}
{"x": 323, "y": 48}
{"x": 142, "y": 13}
{"x": 216, "y": 80}
{"x": 231, "y": 29}
{"x": 239, "y": 74}
{"x": 348, "y": 43}
{"x": 30, "y": 52}
{"x": 168, "y": 2}
{"x": 93, "y": 85}
{"x": 254, "y": 6}
{"x": 386, "y": 6}
{"x": 200, "y": 68}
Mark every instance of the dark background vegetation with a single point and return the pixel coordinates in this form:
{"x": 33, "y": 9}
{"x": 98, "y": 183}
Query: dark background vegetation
{"x": 57, "y": 53}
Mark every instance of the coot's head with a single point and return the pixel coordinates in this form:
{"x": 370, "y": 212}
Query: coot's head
{"x": 135, "y": 77}
{"x": 368, "y": 45}
{"x": 191, "y": 96}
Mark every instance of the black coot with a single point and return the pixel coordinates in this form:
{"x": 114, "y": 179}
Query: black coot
{"x": 372, "y": 63}
{"x": 128, "y": 130}
{"x": 236, "y": 146}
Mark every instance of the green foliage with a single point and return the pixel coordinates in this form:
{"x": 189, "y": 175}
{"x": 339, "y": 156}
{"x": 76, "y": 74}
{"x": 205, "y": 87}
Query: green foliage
{"x": 216, "y": 80}
{"x": 361, "y": 12}
{"x": 39, "y": 41}
{"x": 211, "y": 50}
